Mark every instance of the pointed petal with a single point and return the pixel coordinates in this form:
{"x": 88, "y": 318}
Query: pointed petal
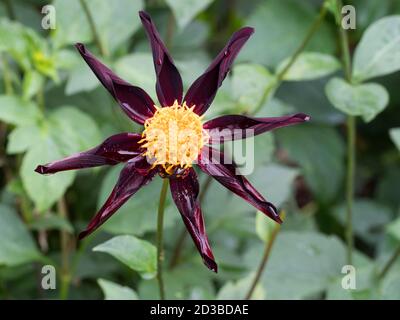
{"x": 215, "y": 163}
{"x": 134, "y": 101}
{"x": 233, "y": 127}
{"x": 129, "y": 182}
{"x": 185, "y": 191}
{"x": 169, "y": 82}
{"x": 117, "y": 148}
{"x": 203, "y": 90}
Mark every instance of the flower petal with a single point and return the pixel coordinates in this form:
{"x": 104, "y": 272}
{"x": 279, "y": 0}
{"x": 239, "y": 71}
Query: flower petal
{"x": 185, "y": 191}
{"x": 211, "y": 161}
{"x": 134, "y": 101}
{"x": 117, "y": 148}
{"x": 202, "y": 92}
{"x": 233, "y": 127}
{"x": 129, "y": 182}
{"x": 169, "y": 82}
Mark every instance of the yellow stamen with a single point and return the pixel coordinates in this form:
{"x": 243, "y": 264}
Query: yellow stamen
{"x": 173, "y": 137}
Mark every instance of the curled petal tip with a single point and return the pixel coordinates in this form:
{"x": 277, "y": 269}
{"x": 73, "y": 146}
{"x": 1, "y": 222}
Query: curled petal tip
{"x": 248, "y": 30}
{"x": 41, "y": 169}
{"x": 210, "y": 263}
{"x": 144, "y": 15}
{"x": 303, "y": 116}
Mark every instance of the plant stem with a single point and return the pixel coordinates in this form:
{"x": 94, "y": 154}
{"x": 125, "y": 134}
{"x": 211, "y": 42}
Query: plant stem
{"x": 351, "y": 141}
{"x": 160, "y": 229}
{"x": 263, "y": 263}
{"x": 93, "y": 28}
{"x": 8, "y": 87}
{"x": 280, "y": 75}
{"x": 65, "y": 252}
{"x": 314, "y": 27}
{"x": 180, "y": 241}
{"x": 389, "y": 264}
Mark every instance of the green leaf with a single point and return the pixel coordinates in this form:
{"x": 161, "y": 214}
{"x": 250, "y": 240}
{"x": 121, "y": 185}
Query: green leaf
{"x": 393, "y": 229}
{"x": 274, "y": 182}
{"x": 280, "y": 26}
{"x": 378, "y": 52}
{"x": 16, "y": 244}
{"x": 115, "y": 21}
{"x": 50, "y": 222}
{"x": 22, "y": 138}
{"x": 44, "y": 190}
{"x": 264, "y": 226}
{"x": 309, "y": 66}
{"x": 138, "y": 68}
{"x": 395, "y": 136}
{"x": 15, "y": 111}
{"x": 73, "y": 130}
{"x": 321, "y": 160}
{"x": 365, "y": 100}
{"x": 138, "y": 214}
{"x": 251, "y": 84}
{"x": 139, "y": 255}
{"x": 114, "y": 291}
{"x": 32, "y": 83}
{"x": 81, "y": 78}
{"x": 186, "y": 10}
{"x": 301, "y": 264}
{"x": 237, "y": 290}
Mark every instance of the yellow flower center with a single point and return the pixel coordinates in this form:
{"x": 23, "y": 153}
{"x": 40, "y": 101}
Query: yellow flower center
{"x": 173, "y": 137}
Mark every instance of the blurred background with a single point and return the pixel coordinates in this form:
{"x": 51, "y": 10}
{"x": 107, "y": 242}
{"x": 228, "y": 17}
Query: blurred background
{"x": 51, "y": 105}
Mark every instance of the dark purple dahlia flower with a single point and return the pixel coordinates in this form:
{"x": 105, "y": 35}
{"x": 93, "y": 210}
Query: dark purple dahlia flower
{"x": 174, "y": 138}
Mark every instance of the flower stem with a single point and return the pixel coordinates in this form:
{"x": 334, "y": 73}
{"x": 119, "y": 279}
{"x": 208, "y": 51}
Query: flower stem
{"x": 280, "y": 76}
{"x": 389, "y": 264}
{"x": 351, "y": 139}
{"x": 314, "y": 27}
{"x": 263, "y": 263}
{"x": 65, "y": 251}
{"x": 93, "y": 28}
{"x": 160, "y": 251}
{"x": 180, "y": 241}
{"x": 9, "y": 9}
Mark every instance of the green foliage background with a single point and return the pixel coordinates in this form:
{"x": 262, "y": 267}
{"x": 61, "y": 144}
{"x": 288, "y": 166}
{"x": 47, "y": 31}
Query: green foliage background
{"x": 51, "y": 105}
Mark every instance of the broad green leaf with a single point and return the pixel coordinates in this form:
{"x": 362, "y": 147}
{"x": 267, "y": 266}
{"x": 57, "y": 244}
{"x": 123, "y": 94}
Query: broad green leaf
{"x": 281, "y": 26}
{"x": 301, "y": 264}
{"x": 50, "y": 222}
{"x": 378, "y": 52}
{"x": 44, "y": 190}
{"x": 22, "y": 138}
{"x": 16, "y": 244}
{"x": 367, "y": 216}
{"x": 251, "y": 84}
{"x": 114, "y": 291}
{"x": 395, "y": 136}
{"x": 81, "y": 78}
{"x": 73, "y": 130}
{"x": 32, "y": 83}
{"x": 365, "y": 100}
{"x": 393, "y": 229}
{"x": 309, "y": 66}
{"x": 237, "y": 290}
{"x": 274, "y": 182}
{"x": 115, "y": 21}
{"x": 139, "y": 255}
{"x": 319, "y": 151}
{"x": 186, "y": 10}
{"x": 138, "y": 68}
{"x": 15, "y": 111}
{"x": 138, "y": 214}
{"x": 264, "y": 226}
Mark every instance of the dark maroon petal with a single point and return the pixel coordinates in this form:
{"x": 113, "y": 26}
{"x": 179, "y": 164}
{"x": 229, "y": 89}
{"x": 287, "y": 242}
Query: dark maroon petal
{"x": 203, "y": 90}
{"x": 169, "y": 82}
{"x": 117, "y": 148}
{"x": 134, "y": 101}
{"x": 185, "y": 191}
{"x": 215, "y": 163}
{"x": 129, "y": 182}
{"x": 234, "y": 127}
